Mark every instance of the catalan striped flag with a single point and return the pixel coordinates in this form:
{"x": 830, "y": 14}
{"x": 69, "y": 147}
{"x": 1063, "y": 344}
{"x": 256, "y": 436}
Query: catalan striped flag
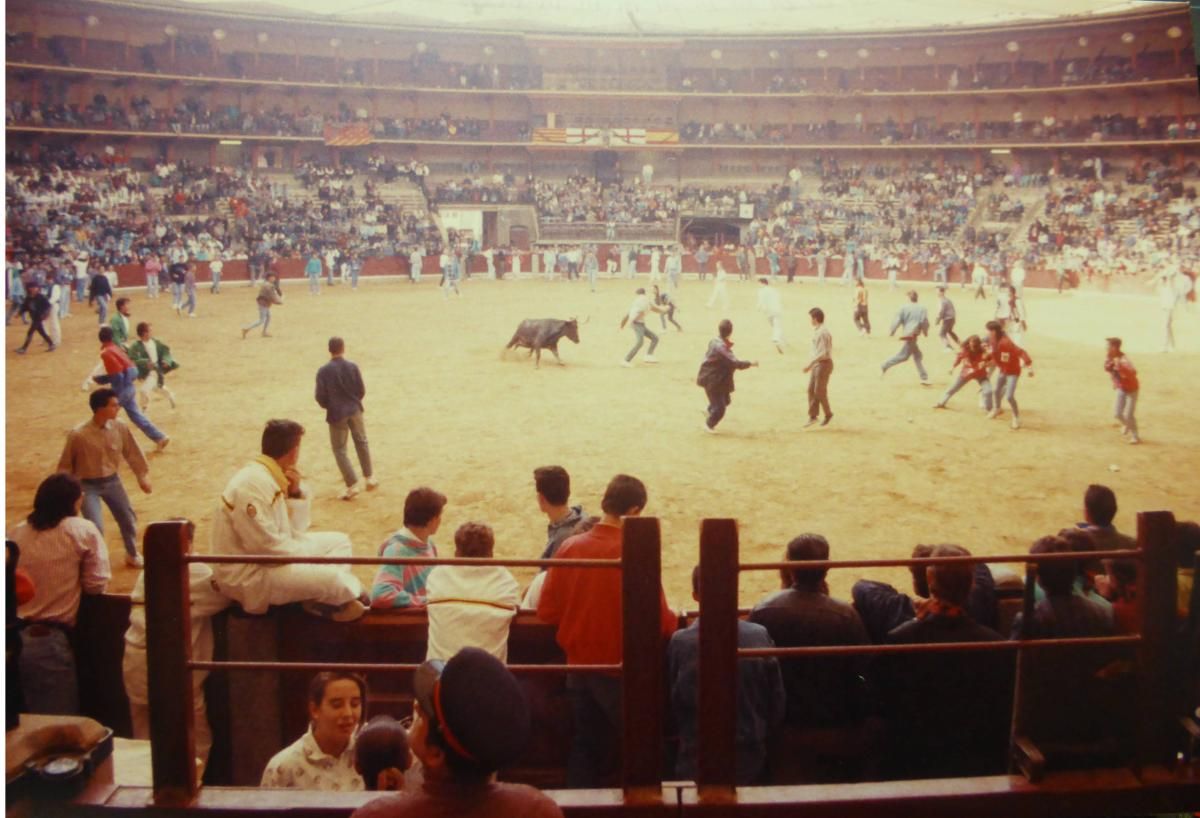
{"x": 348, "y": 136}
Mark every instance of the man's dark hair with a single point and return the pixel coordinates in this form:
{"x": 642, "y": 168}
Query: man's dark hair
{"x": 422, "y": 505}
{"x": 804, "y": 548}
{"x": 1100, "y": 503}
{"x": 996, "y": 327}
{"x": 382, "y": 743}
{"x": 623, "y": 494}
{"x": 553, "y": 483}
{"x": 142, "y": 328}
{"x": 54, "y": 501}
{"x": 122, "y": 301}
{"x": 1082, "y": 542}
{"x": 1056, "y": 578}
{"x": 105, "y": 335}
{"x": 951, "y": 583}
{"x": 100, "y": 398}
{"x": 725, "y": 328}
{"x": 280, "y": 436}
{"x": 318, "y": 683}
{"x": 474, "y": 540}
{"x": 763, "y": 281}
{"x": 818, "y": 313}
{"x": 336, "y": 346}
{"x": 920, "y": 581}
{"x": 912, "y": 296}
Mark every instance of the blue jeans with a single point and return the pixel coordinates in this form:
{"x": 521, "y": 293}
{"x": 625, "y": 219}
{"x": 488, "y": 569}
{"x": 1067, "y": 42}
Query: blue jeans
{"x": 354, "y": 427}
{"x": 909, "y": 350}
{"x": 596, "y": 728}
{"x": 80, "y": 289}
{"x": 112, "y": 492}
{"x": 314, "y": 283}
{"x": 264, "y": 319}
{"x": 985, "y": 388}
{"x": 1126, "y": 404}
{"x": 47, "y": 670}
{"x": 190, "y": 304}
{"x": 642, "y": 334}
{"x": 125, "y": 385}
{"x": 176, "y": 295}
{"x": 1006, "y": 389}
{"x": 102, "y": 303}
{"x": 216, "y": 282}
{"x": 64, "y": 304}
{"x": 354, "y": 270}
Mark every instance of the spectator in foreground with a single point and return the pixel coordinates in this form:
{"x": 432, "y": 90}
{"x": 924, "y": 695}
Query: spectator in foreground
{"x": 1099, "y": 509}
{"x": 264, "y": 509}
{"x": 945, "y": 713}
{"x": 1064, "y": 612}
{"x": 470, "y": 605}
{"x": 553, "y": 485}
{"x": 470, "y": 718}
{"x": 761, "y": 701}
{"x": 323, "y": 758}
{"x": 585, "y": 604}
{"x": 381, "y": 754}
{"x": 64, "y": 557}
{"x": 403, "y": 586}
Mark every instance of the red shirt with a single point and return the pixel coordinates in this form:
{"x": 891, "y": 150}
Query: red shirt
{"x": 585, "y": 603}
{"x": 114, "y": 358}
{"x": 1008, "y": 356}
{"x": 974, "y": 367}
{"x": 1123, "y": 373}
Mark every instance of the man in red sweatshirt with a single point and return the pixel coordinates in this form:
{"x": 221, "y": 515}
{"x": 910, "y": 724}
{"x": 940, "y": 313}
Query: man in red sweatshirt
{"x": 1007, "y": 357}
{"x": 585, "y": 604}
{"x": 121, "y": 374}
{"x": 1125, "y": 381}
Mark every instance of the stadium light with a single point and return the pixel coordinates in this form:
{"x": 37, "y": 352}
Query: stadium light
{"x": 218, "y": 34}
{"x": 1083, "y": 41}
{"x": 1127, "y": 37}
{"x": 863, "y": 53}
{"x": 262, "y": 37}
{"x": 773, "y": 54}
{"x": 91, "y": 21}
{"x": 170, "y": 30}
{"x": 231, "y": 142}
{"x": 715, "y": 53}
{"x": 822, "y": 54}
{"x": 1001, "y": 151}
{"x": 1174, "y": 32}
{"x": 1012, "y": 46}
{"x": 930, "y": 51}
{"x": 334, "y": 42}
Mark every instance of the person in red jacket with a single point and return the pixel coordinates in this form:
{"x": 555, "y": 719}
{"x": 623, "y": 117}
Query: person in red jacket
{"x": 1125, "y": 381}
{"x": 585, "y": 604}
{"x": 1007, "y": 357}
{"x": 974, "y": 360}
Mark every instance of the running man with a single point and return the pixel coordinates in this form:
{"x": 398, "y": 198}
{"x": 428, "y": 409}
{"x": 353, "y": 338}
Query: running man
{"x": 974, "y": 359}
{"x": 771, "y": 304}
{"x": 268, "y": 294}
{"x": 666, "y": 301}
{"x": 1125, "y": 381}
{"x": 716, "y": 375}
{"x": 914, "y": 320}
{"x": 862, "y": 318}
{"x": 637, "y": 317}
{"x": 946, "y": 317}
{"x": 1007, "y": 357}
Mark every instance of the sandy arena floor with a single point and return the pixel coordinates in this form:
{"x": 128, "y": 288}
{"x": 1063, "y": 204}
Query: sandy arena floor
{"x": 444, "y": 409}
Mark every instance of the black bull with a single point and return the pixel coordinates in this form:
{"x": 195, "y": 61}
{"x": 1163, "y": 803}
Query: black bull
{"x": 536, "y": 334}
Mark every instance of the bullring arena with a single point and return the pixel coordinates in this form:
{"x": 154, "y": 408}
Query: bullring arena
{"x": 420, "y": 186}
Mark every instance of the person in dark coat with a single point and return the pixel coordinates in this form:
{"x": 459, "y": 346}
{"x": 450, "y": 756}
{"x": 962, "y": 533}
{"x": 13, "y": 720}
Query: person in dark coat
{"x": 716, "y": 374}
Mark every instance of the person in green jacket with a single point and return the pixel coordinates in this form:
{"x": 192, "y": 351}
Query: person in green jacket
{"x": 151, "y": 356}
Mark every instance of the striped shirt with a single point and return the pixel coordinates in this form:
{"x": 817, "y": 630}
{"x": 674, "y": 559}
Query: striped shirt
{"x": 64, "y": 563}
{"x": 93, "y": 452}
{"x": 402, "y": 586}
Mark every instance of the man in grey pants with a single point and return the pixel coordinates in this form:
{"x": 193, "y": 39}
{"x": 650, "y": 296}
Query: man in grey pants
{"x": 340, "y": 392}
{"x": 819, "y": 369}
{"x": 914, "y": 320}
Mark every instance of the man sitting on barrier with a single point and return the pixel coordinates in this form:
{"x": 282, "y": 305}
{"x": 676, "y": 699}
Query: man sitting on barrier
{"x": 761, "y": 701}
{"x": 470, "y": 718}
{"x": 585, "y": 604}
{"x": 264, "y": 511}
{"x": 946, "y": 714}
{"x": 403, "y": 586}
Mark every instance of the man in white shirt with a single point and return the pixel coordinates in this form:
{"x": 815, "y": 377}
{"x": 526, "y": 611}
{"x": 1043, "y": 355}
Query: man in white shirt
{"x": 264, "y": 510}
{"x": 415, "y": 260}
{"x": 771, "y": 304}
{"x": 470, "y": 605}
{"x": 637, "y": 317}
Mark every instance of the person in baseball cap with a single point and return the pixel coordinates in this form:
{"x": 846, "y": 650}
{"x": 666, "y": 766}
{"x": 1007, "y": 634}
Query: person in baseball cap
{"x": 470, "y": 718}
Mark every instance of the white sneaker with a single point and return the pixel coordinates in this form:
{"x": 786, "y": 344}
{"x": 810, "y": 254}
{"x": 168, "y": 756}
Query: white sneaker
{"x": 1134, "y": 440}
{"x": 627, "y": 364}
{"x": 1016, "y": 423}
{"x": 162, "y": 444}
{"x": 650, "y": 359}
{"x": 372, "y": 484}
{"x": 86, "y": 385}
{"x": 709, "y": 429}
{"x": 350, "y": 493}
{"x": 135, "y": 561}
{"x": 992, "y": 415}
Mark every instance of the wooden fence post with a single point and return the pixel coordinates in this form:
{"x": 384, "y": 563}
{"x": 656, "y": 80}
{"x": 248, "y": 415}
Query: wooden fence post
{"x": 168, "y": 651}
{"x": 642, "y": 663}
{"x": 1155, "y": 535}
{"x": 716, "y": 770}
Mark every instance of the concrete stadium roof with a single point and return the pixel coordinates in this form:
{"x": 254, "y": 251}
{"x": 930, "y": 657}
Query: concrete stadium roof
{"x": 677, "y": 17}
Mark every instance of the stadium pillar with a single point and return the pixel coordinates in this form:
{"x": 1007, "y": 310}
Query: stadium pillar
{"x": 642, "y": 660}
{"x": 168, "y": 651}
{"x": 716, "y": 770}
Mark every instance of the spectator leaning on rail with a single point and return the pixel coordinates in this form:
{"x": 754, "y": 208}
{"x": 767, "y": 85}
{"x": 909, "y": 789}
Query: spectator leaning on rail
{"x": 1064, "y": 612}
{"x": 470, "y": 718}
{"x": 585, "y": 604}
{"x": 403, "y": 586}
{"x": 264, "y": 511}
{"x": 470, "y": 605}
{"x": 761, "y": 701}
{"x": 553, "y": 487}
{"x": 323, "y": 758}
{"x": 205, "y": 601}
{"x": 63, "y": 556}
{"x": 1099, "y": 509}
